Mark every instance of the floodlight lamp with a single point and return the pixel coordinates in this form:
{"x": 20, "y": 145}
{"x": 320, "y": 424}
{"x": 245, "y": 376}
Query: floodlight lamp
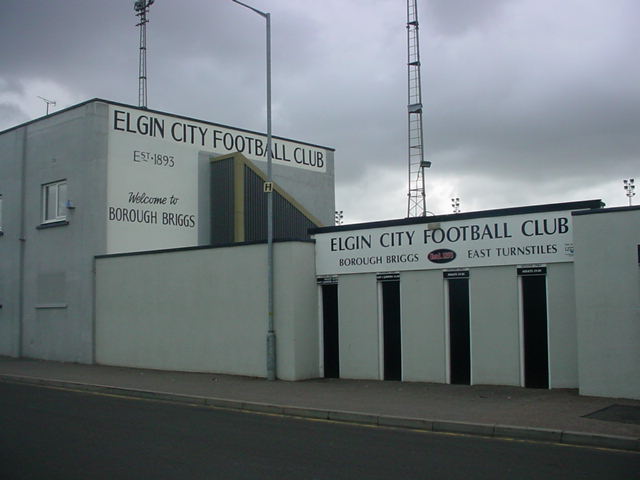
{"x": 140, "y": 5}
{"x": 629, "y": 185}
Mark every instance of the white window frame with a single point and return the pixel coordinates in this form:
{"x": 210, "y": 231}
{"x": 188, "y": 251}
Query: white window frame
{"x": 60, "y": 213}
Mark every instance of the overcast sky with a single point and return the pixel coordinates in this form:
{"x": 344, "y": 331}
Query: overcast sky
{"x": 526, "y": 101}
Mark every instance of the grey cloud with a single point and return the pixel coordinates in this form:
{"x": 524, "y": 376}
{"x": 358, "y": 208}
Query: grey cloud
{"x": 519, "y": 95}
{"x": 455, "y": 17}
{"x": 11, "y": 115}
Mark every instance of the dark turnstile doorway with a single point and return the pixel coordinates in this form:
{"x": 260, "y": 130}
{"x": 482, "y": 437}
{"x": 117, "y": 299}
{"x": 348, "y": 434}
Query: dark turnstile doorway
{"x": 331, "y": 348}
{"x": 391, "y": 329}
{"x": 459, "y": 330}
{"x": 534, "y": 327}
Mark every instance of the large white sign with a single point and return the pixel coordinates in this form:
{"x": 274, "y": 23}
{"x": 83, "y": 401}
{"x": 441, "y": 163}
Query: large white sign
{"x": 215, "y": 139}
{"x": 152, "y": 187}
{"x": 509, "y": 240}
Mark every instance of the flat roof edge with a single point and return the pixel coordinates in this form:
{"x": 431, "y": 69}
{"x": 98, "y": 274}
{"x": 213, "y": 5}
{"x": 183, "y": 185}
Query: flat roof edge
{"x": 202, "y": 247}
{"x": 500, "y": 212}
{"x": 183, "y": 117}
{"x": 606, "y": 210}
{"x": 52, "y": 114}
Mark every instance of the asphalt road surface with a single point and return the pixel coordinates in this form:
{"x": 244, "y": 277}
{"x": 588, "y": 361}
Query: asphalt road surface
{"x": 50, "y": 434}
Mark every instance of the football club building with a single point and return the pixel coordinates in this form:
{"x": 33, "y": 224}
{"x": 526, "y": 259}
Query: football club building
{"x": 136, "y": 238}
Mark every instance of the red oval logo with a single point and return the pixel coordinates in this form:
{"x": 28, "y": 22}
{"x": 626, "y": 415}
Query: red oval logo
{"x": 442, "y": 255}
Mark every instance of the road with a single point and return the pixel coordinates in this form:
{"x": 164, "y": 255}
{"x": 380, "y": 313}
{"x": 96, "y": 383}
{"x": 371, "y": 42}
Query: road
{"x": 50, "y": 434}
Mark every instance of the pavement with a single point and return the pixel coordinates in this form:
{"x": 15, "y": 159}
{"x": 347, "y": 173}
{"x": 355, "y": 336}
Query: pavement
{"x": 558, "y": 415}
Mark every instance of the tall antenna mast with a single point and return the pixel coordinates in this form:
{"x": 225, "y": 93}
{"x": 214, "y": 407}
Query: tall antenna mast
{"x": 417, "y": 203}
{"x": 141, "y": 7}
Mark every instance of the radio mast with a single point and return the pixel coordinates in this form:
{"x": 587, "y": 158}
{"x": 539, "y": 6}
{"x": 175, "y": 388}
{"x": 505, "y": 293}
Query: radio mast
{"x": 141, "y": 7}
{"x": 417, "y": 203}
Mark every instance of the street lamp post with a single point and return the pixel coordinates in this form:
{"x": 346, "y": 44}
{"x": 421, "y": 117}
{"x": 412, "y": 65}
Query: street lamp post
{"x": 271, "y": 334}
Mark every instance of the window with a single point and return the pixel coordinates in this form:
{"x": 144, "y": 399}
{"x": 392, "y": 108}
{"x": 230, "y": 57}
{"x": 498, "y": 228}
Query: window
{"x": 54, "y": 200}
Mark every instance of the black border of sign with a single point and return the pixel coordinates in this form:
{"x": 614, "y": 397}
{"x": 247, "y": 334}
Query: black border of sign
{"x": 524, "y": 271}
{"x": 388, "y": 277}
{"x": 453, "y": 274}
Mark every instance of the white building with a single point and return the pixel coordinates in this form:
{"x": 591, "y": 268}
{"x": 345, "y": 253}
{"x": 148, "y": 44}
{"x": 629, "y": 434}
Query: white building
{"x": 102, "y": 178}
{"x": 136, "y": 238}
{"x": 541, "y": 296}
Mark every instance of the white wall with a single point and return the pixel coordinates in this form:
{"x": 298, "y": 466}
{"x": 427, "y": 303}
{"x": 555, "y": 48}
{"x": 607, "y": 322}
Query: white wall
{"x": 358, "y": 332}
{"x": 495, "y": 337}
{"x": 494, "y": 326}
{"x": 11, "y": 149}
{"x": 561, "y": 306}
{"x": 296, "y": 310}
{"x": 607, "y": 285}
{"x": 205, "y": 310}
{"x": 46, "y": 274}
{"x": 423, "y": 326}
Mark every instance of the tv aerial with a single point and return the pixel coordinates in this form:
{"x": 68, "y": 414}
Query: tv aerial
{"x": 48, "y": 102}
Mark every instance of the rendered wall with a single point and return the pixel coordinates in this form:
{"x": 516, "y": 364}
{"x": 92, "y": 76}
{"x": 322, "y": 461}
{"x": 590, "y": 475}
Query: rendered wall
{"x": 316, "y": 192}
{"x": 158, "y": 181}
{"x": 358, "y": 331}
{"x": 296, "y": 310}
{"x": 57, "y": 286}
{"x": 495, "y": 337}
{"x": 563, "y": 354}
{"x": 206, "y": 310}
{"x": 11, "y": 144}
{"x": 494, "y": 326}
{"x": 607, "y": 286}
{"x": 423, "y": 326}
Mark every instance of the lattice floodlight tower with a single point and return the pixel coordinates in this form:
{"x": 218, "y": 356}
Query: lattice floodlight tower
{"x": 141, "y": 7}
{"x": 417, "y": 203}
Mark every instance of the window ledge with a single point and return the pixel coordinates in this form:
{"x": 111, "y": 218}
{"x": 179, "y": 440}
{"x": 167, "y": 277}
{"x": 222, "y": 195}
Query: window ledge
{"x": 59, "y": 223}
